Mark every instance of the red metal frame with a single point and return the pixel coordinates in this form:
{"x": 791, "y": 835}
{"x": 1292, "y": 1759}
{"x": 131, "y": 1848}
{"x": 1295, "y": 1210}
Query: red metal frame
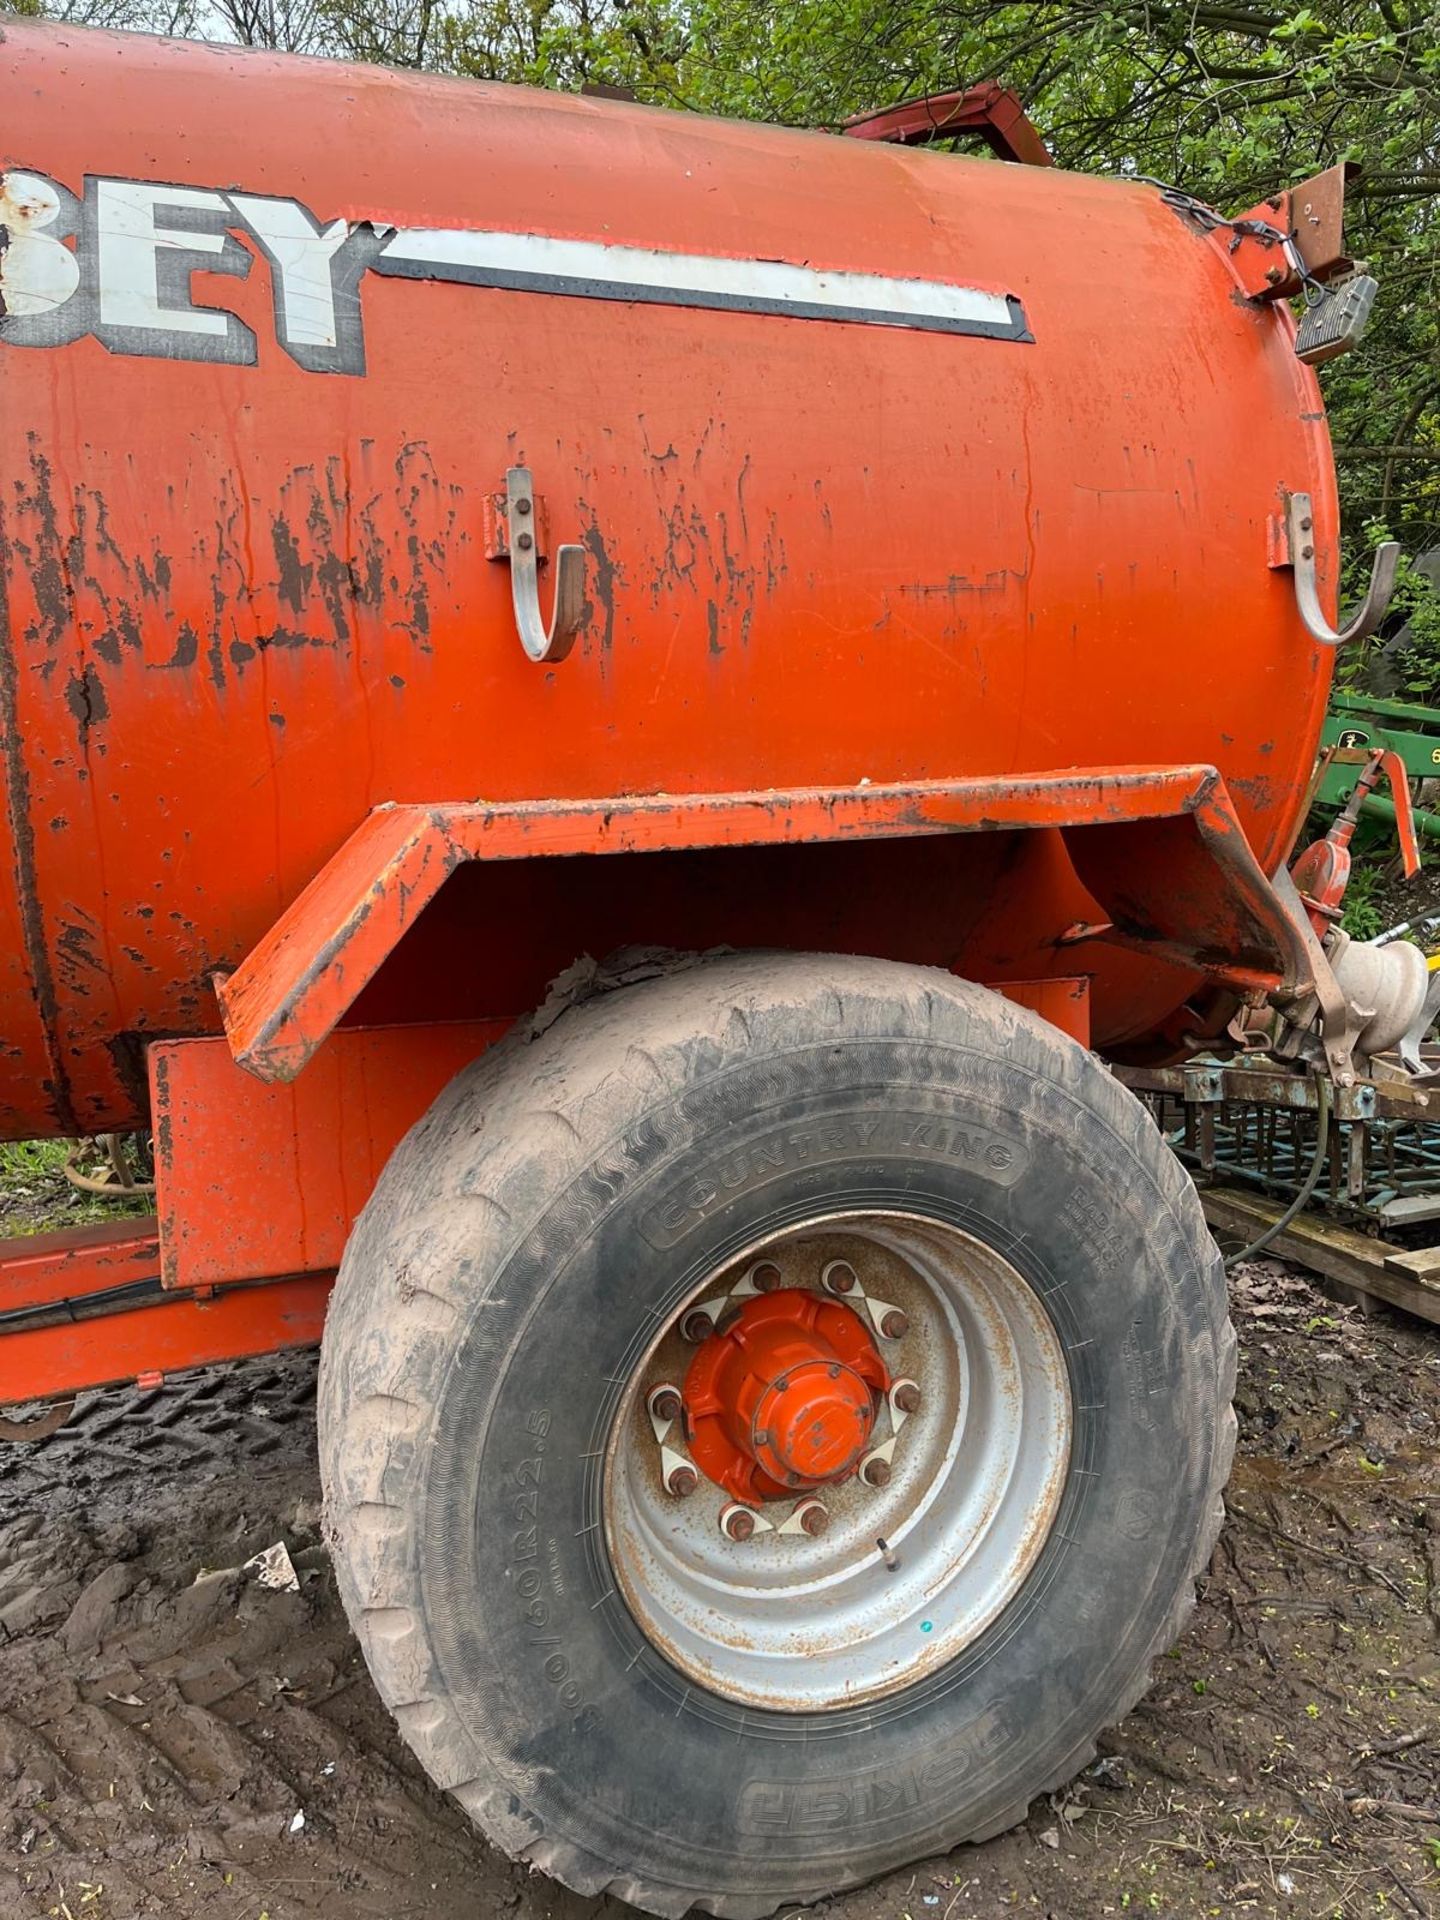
{"x": 85, "y": 1309}
{"x": 259, "y": 1180}
{"x": 989, "y": 110}
{"x": 1161, "y": 849}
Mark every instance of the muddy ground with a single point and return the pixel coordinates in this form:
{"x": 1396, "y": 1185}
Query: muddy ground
{"x": 176, "y": 1739}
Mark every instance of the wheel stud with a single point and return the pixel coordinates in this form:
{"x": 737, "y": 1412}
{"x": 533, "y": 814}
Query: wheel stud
{"x": 681, "y": 1481}
{"x": 814, "y": 1518}
{"x": 737, "y": 1522}
{"x": 696, "y": 1326}
{"x": 766, "y": 1277}
{"x": 665, "y": 1402}
{"x": 905, "y": 1396}
{"x": 838, "y": 1276}
{"x": 875, "y": 1470}
{"x": 895, "y": 1324}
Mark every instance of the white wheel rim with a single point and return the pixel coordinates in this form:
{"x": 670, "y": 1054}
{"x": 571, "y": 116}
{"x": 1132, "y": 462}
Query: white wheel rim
{"x": 793, "y": 1623}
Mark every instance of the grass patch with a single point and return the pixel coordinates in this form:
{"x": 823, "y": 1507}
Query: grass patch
{"x": 35, "y": 1196}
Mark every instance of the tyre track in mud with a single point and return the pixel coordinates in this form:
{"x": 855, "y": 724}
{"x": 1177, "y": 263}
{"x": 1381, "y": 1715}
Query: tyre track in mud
{"x": 164, "y": 1718}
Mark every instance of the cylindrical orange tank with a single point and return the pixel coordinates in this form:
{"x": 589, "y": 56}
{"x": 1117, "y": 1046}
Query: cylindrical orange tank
{"x": 889, "y": 465}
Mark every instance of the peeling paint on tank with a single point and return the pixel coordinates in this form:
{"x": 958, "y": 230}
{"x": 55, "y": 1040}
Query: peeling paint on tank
{"x": 85, "y": 697}
{"x": 604, "y": 573}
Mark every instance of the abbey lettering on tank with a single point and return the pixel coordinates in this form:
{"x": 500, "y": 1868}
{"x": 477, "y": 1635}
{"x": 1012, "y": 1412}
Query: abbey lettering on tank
{"x": 115, "y": 261}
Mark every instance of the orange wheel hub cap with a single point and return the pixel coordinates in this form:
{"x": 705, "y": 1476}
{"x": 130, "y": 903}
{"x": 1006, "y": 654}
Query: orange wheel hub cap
{"x": 784, "y": 1398}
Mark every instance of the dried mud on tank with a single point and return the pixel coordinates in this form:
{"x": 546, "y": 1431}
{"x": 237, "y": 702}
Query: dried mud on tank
{"x": 164, "y": 1718}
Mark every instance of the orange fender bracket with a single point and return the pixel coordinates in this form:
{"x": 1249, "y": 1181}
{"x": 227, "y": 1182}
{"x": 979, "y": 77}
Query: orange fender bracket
{"x": 257, "y": 1188}
{"x": 1160, "y": 848}
{"x": 255, "y": 1180}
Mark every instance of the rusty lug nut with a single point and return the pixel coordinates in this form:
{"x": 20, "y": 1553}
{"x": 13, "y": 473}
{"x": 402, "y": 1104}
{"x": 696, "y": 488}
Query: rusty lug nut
{"x": 522, "y": 506}
{"x": 682, "y": 1482}
{"x": 875, "y": 1471}
{"x": 838, "y": 1276}
{"x": 766, "y": 1277}
{"x": 1307, "y": 553}
{"x": 1306, "y": 524}
{"x": 524, "y": 541}
{"x": 737, "y": 1522}
{"x": 905, "y": 1394}
{"x": 895, "y": 1325}
{"x": 696, "y": 1326}
{"x": 814, "y": 1519}
{"x": 665, "y": 1402}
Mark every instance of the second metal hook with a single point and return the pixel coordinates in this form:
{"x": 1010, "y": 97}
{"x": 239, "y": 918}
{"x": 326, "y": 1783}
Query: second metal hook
{"x": 1298, "y": 552}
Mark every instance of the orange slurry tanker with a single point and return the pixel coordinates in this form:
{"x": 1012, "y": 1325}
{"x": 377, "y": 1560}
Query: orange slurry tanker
{"x": 600, "y": 709}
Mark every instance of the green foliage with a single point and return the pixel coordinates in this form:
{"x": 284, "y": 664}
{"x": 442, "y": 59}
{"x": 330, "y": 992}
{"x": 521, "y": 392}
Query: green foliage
{"x": 1414, "y": 615}
{"x": 1361, "y": 916}
{"x": 35, "y": 1196}
{"x": 31, "y": 1160}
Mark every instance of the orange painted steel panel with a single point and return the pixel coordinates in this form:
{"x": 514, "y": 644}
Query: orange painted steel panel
{"x": 243, "y": 529}
{"x": 1206, "y": 895}
{"x": 43, "y": 1268}
{"x": 255, "y": 1180}
{"x": 1064, "y": 1003}
{"x": 168, "y": 1336}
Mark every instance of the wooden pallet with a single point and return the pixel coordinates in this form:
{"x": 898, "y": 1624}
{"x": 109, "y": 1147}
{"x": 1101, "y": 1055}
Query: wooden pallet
{"x": 1358, "y": 1269}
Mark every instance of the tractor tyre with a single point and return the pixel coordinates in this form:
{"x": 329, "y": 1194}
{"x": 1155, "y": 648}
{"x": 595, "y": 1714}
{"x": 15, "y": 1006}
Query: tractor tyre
{"x": 771, "y": 1421}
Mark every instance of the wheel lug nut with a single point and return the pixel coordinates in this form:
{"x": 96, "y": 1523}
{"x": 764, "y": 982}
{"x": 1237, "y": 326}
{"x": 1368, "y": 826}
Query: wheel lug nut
{"x": 814, "y": 1518}
{"x": 766, "y": 1277}
{"x": 894, "y": 1324}
{"x": 696, "y": 1326}
{"x": 737, "y": 1522}
{"x": 665, "y": 1402}
{"x": 838, "y": 1276}
{"x": 681, "y": 1482}
{"x": 905, "y": 1395}
{"x": 875, "y": 1471}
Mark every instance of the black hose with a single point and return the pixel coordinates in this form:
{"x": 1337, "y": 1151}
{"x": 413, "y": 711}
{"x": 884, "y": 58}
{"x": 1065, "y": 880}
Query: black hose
{"x": 1312, "y": 1178}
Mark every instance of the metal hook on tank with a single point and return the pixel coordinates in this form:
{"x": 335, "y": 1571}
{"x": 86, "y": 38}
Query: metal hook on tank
{"x": 1297, "y": 551}
{"x": 541, "y": 642}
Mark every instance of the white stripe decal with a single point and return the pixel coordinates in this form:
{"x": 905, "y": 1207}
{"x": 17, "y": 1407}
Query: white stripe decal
{"x": 590, "y": 269}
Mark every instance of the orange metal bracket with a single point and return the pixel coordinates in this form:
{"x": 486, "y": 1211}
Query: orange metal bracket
{"x": 1160, "y": 848}
{"x": 258, "y": 1187}
{"x": 1312, "y": 217}
{"x": 989, "y": 110}
{"x": 255, "y": 1180}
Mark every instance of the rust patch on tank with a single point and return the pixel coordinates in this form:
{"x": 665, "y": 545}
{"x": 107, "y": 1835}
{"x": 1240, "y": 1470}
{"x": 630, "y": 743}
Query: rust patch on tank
{"x": 56, "y": 1086}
